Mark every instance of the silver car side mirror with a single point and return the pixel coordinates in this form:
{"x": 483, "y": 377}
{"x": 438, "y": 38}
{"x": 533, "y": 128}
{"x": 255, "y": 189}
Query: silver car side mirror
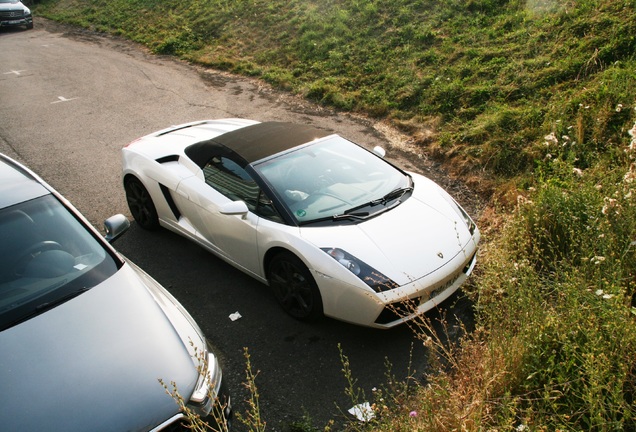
{"x": 115, "y": 226}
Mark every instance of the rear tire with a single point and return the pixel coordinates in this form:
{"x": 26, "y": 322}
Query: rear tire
{"x": 294, "y": 287}
{"x": 140, "y": 204}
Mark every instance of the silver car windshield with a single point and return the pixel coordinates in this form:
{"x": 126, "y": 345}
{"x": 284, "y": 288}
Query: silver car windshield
{"x": 46, "y": 257}
{"x": 332, "y": 179}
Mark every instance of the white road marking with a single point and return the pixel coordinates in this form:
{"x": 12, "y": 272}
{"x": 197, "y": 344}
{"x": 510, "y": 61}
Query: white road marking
{"x": 63, "y": 99}
{"x": 16, "y": 72}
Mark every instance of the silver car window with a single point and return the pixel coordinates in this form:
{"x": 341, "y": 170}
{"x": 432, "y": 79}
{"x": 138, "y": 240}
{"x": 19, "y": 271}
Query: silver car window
{"x": 45, "y": 254}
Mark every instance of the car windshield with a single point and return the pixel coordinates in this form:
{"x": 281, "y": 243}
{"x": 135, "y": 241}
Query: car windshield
{"x": 333, "y": 179}
{"x": 8, "y": 1}
{"x": 46, "y": 256}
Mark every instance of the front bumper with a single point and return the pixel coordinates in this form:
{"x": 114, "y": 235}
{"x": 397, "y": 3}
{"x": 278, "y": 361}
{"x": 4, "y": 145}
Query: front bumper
{"x": 388, "y": 309}
{"x": 17, "y": 22}
{"x": 405, "y": 310}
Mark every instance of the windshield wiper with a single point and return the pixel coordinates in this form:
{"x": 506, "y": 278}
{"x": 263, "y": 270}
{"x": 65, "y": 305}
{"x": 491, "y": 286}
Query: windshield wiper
{"x": 43, "y": 307}
{"x": 354, "y": 214}
{"x": 347, "y": 215}
{"x": 58, "y": 301}
{"x": 394, "y": 194}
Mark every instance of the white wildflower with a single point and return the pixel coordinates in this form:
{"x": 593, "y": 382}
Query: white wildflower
{"x": 521, "y": 201}
{"x": 619, "y": 107}
{"x": 610, "y": 204}
{"x": 630, "y": 175}
{"x": 599, "y": 292}
{"x": 597, "y": 260}
{"x": 551, "y": 139}
{"x": 632, "y": 131}
{"x": 577, "y": 171}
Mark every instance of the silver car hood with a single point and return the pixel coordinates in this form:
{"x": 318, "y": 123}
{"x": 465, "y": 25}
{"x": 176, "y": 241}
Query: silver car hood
{"x": 93, "y": 363}
{"x": 12, "y": 6}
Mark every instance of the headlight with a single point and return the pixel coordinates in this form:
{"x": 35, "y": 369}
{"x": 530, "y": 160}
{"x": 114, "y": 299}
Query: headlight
{"x": 376, "y": 280}
{"x": 208, "y": 385}
{"x": 460, "y": 211}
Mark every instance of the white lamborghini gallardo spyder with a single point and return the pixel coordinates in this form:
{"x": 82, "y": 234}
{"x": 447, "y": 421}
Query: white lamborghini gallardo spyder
{"x": 331, "y": 227}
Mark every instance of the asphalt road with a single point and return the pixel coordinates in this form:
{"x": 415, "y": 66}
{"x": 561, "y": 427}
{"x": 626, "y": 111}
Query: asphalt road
{"x": 71, "y": 99}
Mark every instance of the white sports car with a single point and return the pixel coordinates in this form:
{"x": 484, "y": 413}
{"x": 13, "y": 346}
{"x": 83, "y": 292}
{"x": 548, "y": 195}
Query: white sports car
{"x": 331, "y": 227}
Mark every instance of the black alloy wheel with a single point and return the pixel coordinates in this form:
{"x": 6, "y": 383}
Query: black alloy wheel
{"x": 141, "y": 205}
{"x": 294, "y": 287}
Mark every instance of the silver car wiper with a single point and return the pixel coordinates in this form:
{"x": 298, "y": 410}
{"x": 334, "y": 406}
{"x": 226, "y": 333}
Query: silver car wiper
{"x": 50, "y": 305}
{"x": 43, "y": 307}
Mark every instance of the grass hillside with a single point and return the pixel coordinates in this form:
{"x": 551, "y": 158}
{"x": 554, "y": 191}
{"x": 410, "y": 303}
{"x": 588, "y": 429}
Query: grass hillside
{"x": 533, "y": 103}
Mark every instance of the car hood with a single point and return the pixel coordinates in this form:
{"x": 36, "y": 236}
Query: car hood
{"x": 11, "y": 6}
{"x": 93, "y": 363}
{"x": 405, "y": 243}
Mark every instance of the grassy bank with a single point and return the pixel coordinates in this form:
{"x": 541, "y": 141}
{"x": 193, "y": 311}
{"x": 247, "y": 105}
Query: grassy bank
{"x": 533, "y": 103}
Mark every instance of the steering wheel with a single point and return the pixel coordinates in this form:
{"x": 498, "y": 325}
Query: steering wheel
{"x": 31, "y": 252}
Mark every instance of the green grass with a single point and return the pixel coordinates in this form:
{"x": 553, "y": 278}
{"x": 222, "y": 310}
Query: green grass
{"x": 499, "y": 74}
{"x": 533, "y": 102}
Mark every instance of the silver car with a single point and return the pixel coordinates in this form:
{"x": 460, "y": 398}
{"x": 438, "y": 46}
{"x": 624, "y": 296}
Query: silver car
{"x": 85, "y": 335}
{"x": 14, "y": 14}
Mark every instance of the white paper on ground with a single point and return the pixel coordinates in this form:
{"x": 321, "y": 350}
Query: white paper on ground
{"x": 363, "y": 412}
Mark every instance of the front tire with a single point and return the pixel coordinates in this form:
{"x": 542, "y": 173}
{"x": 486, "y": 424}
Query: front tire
{"x": 294, "y": 287}
{"x": 140, "y": 204}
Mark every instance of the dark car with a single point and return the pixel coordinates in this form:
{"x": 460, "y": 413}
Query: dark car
{"x": 14, "y": 14}
{"x": 85, "y": 335}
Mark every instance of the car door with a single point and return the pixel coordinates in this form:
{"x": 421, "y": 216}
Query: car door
{"x": 228, "y": 233}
